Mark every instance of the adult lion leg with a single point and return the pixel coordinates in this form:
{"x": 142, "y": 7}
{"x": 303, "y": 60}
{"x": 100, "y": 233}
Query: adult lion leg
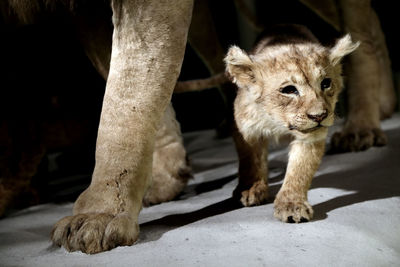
{"x": 147, "y": 51}
{"x": 387, "y": 95}
{"x": 253, "y": 171}
{"x": 203, "y": 39}
{"x": 362, "y": 128}
{"x": 171, "y": 169}
{"x": 169, "y": 177}
{"x": 291, "y": 203}
{"x": 22, "y": 151}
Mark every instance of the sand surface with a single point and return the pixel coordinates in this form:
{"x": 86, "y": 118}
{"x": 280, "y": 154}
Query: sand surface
{"x": 356, "y": 200}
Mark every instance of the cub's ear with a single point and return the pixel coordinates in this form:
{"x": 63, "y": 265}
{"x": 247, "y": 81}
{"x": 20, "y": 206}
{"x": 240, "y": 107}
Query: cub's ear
{"x": 239, "y": 66}
{"x": 343, "y": 47}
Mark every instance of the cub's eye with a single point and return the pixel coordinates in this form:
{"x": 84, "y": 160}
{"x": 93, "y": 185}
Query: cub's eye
{"x": 289, "y": 90}
{"x": 325, "y": 84}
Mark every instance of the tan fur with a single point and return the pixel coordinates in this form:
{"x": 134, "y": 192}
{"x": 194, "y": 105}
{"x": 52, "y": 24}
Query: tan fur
{"x": 263, "y": 110}
{"x": 95, "y": 34}
{"x": 132, "y": 109}
{"x": 171, "y": 169}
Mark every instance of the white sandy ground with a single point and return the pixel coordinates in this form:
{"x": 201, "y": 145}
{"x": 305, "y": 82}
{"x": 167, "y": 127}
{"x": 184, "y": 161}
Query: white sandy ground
{"x": 356, "y": 199}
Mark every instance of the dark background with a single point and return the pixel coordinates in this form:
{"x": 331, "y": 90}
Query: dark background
{"x": 46, "y": 77}
{"x": 44, "y": 60}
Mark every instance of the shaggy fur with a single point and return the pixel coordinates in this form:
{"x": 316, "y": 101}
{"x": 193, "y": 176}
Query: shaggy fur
{"x": 368, "y": 71}
{"x": 288, "y": 85}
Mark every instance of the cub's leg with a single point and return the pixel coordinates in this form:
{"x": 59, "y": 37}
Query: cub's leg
{"x": 253, "y": 171}
{"x": 366, "y": 78}
{"x": 147, "y": 50}
{"x": 171, "y": 169}
{"x": 291, "y": 203}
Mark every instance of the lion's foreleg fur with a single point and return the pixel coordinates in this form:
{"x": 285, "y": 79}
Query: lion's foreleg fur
{"x": 291, "y": 203}
{"x": 147, "y": 50}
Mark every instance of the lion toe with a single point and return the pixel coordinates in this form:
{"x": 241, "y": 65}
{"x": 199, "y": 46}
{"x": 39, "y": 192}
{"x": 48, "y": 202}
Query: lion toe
{"x": 94, "y": 233}
{"x": 357, "y": 140}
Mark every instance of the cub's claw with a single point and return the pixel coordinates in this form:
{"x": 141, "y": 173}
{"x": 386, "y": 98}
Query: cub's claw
{"x": 293, "y": 211}
{"x": 257, "y": 194}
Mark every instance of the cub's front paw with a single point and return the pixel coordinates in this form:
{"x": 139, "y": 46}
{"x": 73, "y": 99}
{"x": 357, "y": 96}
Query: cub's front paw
{"x": 257, "y": 194}
{"x": 357, "y": 140}
{"x": 94, "y": 232}
{"x": 293, "y": 211}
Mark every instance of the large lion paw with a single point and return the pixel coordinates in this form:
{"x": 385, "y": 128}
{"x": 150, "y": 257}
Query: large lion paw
{"x": 257, "y": 194}
{"x": 357, "y": 140}
{"x": 292, "y": 211}
{"x": 94, "y": 232}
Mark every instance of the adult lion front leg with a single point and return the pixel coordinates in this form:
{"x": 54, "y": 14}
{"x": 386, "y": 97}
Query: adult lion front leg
{"x": 148, "y": 45}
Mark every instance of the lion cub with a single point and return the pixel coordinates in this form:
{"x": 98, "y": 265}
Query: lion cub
{"x": 288, "y": 85}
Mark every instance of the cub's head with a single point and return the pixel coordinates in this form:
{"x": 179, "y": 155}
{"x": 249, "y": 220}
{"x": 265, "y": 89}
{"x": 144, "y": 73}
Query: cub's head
{"x": 287, "y": 88}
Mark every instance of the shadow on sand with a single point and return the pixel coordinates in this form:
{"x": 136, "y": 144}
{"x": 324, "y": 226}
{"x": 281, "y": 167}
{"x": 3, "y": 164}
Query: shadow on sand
{"x": 374, "y": 176}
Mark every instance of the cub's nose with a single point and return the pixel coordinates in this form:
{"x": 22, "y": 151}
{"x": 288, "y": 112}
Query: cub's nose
{"x": 318, "y": 117}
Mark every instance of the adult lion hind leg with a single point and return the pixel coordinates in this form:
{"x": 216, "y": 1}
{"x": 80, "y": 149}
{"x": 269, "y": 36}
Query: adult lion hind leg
{"x": 204, "y": 40}
{"x": 22, "y": 151}
{"x": 291, "y": 203}
{"x": 171, "y": 169}
{"x": 253, "y": 171}
{"x": 362, "y": 128}
{"x": 387, "y": 94}
{"x": 147, "y": 51}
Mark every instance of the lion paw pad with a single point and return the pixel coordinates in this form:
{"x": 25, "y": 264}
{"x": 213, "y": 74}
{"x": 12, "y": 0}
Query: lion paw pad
{"x": 94, "y": 232}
